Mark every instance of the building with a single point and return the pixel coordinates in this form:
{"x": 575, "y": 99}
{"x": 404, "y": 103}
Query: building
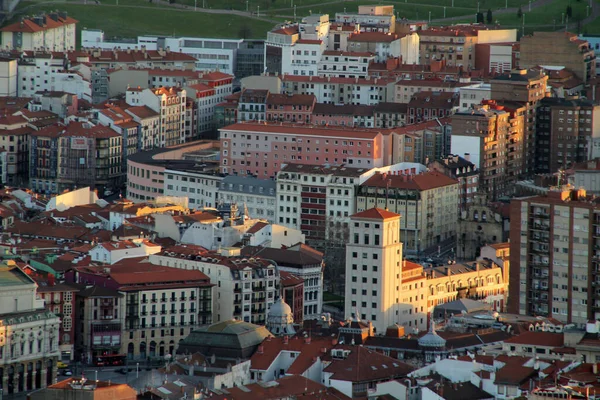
{"x": 78, "y": 154}
{"x": 407, "y": 88}
{"x": 345, "y": 64}
{"x": 557, "y": 272}
{"x": 252, "y": 105}
{"x": 8, "y": 77}
{"x": 587, "y": 175}
{"x": 565, "y": 133}
{"x": 567, "y": 50}
{"x": 370, "y": 18}
{"x": 149, "y": 123}
{"x": 296, "y": 108}
{"x": 386, "y": 45}
{"x": 245, "y": 287}
{"x": 292, "y": 291}
{"x": 428, "y": 203}
{"x": 345, "y": 115}
{"x": 465, "y": 172}
{"x": 427, "y": 105}
{"x": 200, "y": 186}
{"x": 62, "y": 104}
{"x": 257, "y": 197}
{"x": 473, "y": 95}
{"x": 162, "y": 305}
{"x": 85, "y": 389}
{"x": 30, "y": 339}
{"x": 479, "y": 225}
{"x": 169, "y": 103}
{"x": 280, "y": 144}
{"x": 54, "y": 31}
{"x": 298, "y": 261}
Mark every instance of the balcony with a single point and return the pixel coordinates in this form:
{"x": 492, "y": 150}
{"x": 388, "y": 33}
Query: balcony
{"x": 153, "y": 300}
{"x": 182, "y": 298}
{"x": 182, "y": 310}
{"x": 144, "y": 313}
{"x": 163, "y": 300}
{"x": 204, "y": 312}
{"x": 259, "y": 288}
{"x": 152, "y": 312}
{"x": 237, "y": 290}
{"x": 163, "y": 312}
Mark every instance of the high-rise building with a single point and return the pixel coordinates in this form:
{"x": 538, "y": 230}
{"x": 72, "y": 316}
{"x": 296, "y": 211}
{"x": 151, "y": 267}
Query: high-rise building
{"x": 555, "y": 264}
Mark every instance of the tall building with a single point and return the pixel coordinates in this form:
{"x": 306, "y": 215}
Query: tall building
{"x": 525, "y": 88}
{"x": 373, "y": 267}
{"x": 29, "y": 337}
{"x": 555, "y": 264}
{"x": 566, "y": 50}
{"x": 566, "y": 133}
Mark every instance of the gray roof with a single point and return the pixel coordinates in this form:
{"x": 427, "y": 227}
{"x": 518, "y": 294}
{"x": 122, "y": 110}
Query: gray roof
{"x": 467, "y": 305}
{"x": 13, "y": 276}
{"x": 230, "y": 334}
{"x": 248, "y": 185}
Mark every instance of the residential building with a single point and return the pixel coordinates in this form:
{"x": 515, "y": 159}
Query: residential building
{"x": 85, "y": 389}
{"x": 473, "y": 95}
{"x": 299, "y": 261}
{"x": 115, "y": 251}
{"x": 296, "y": 108}
{"x": 14, "y": 138}
{"x": 428, "y": 203}
{"x": 526, "y": 88}
{"x": 407, "y": 88}
{"x": 170, "y": 104}
{"x": 565, "y": 133}
{"x": 327, "y": 89}
{"x": 390, "y": 115}
{"x": 162, "y": 304}
{"x": 350, "y": 115}
{"x": 8, "y": 77}
{"x": 199, "y": 186}
{"x": 257, "y": 197}
{"x": 30, "y": 341}
{"x": 396, "y": 68}
{"x": 78, "y": 154}
{"x": 54, "y": 31}
{"x": 122, "y": 123}
{"x": 245, "y": 287}
{"x": 496, "y": 58}
{"x": 136, "y": 58}
{"x": 149, "y": 126}
{"x": 370, "y": 18}
{"x": 250, "y": 59}
{"x": 289, "y": 308}
{"x": 252, "y": 105}
{"x": 337, "y": 40}
{"x": 587, "y": 175}
{"x": 345, "y": 64}
{"x": 556, "y": 274}
{"x": 567, "y": 50}
{"x": 62, "y": 104}
{"x": 60, "y": 300}
{"x": 279, "y": 144}
{"x": 427, "y": 105}
{"x": 386, "y": 45}
{"x": 465, "y": 172}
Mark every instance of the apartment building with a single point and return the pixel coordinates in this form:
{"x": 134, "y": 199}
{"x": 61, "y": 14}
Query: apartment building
{"x": 261, "y": 149}
{"x": 79, "y": 154}
{"x": 62, "y": 104}
{"x": 390, "y": 115}
{"x": 290, "y": 108}
{"x": 428, "y": 203}
{"x": 252, "y": 105}
{"x": 350, "y": 115}
{"x": 526, "y": 88}
{"x": 14, "y": 138}
{"x": 245, "y": 287}
{"x": 464, "y": 171}
{"x": 366, "y": 91}
{"x": 256, "y": 196}
{"x": 170, "y": 104}
{"x": 553, "y": 256}
{"x": 565, "y": 133}
{"x": 30, "y": 341}
{"x": 162, "y": 304}
{"x": 493, "y": 138}
{"x": 567, "y": 50}
{"x": 54, "y": 31}
{"x": 386, "y": 45}
{"x": 149, "y": 126}
{"x": 386, "y": 290}
{"x": 472, "y": 95}
{"x": 345, "y": 64}
{"x": 122, "y": 123}
{"x": 396, "y": 68}
{"x": 426, "y": 105}
{"x": 48, "y": 72}
{"x": 370, "y": 18}
{"x": 199, "y": 186}
{"x": 405, "y": 89}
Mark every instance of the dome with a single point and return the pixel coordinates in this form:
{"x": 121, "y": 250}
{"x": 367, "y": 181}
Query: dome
{"x": 280, "y": 319}
{"x": 432, "y": 339}
{"x": 280, "y": 309}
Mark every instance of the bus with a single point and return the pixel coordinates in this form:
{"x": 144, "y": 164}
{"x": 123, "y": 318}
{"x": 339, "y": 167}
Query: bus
{"x": 110, "y": 360}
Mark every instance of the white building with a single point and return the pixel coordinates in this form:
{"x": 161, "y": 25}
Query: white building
{"x": 112, "y": 252}
{"x": 199, "y": 186}
{"x": 474, "y": 94}
{"x": 30, "y": 335}
{"x": 374, "y": 267}
{"x": 170, "y": 104}
{"x": 258, "y": 196}
{"x": 45, "y": 73}
{"x": 54, "y": 31}
{"x": 8, "y": 77}
{"x": 212, "y": 54}
{"x": 149, "y": 120}
{"x": 245, "y": 287}
{"x": 345, "y": 64}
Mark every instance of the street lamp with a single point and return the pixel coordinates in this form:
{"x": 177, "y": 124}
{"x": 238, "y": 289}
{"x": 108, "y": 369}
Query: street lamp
{"x": 429, "y": 16}
{"x": 258, "y": 11}
{"x": 137, "y": 370}
{"x": 195, "y": 4}
{"x": 529, "y": 5}
{"x": 246, "y": 5}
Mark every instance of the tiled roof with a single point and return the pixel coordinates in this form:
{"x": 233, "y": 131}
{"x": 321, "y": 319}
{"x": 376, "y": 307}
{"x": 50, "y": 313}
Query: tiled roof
{"x": 547, "y": 339}
{"x": 296, "y": 99}
{"x": 297, "y": 256}
{"x": 288, "y": 279}
{"x": 142, "y": 112}
{"x": 308, "y": 41}
{"x": 340, "y": 53}
{"x": 364, "y": 365}
{"x": 28, "y": 24}
{"x": 257, "y": 227}
{"x": 215, "y": 76}
{"x": 373, "y": 37}
{"x": 303, "y": 130}
{"x": 344, "y": 109}
{"x": 425, "y": 181}
{"x": 375, "y": 213}
{"x": 306, "y": 352}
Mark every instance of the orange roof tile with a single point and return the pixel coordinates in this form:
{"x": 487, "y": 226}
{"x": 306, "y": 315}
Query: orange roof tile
{"x": 376, "y": 213}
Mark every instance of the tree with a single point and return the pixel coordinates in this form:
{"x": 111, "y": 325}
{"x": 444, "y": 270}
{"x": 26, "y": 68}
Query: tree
{"x": 480, "y": 18}
{"x": 569, "y": 11}
{"x": 245, "y": 31}
{"x": 489, "y": 17}
{"x": 520, "y": 12}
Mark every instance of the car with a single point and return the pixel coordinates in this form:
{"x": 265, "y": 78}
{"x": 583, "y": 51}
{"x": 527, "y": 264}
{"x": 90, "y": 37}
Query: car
{"x": 108, "y": 192}
{"x": 67, "y": 372}
{"x": 122, "y": 371}
{"x": 61, "y": 365}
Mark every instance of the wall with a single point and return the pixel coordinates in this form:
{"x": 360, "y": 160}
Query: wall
{"x": 71, "y": 199}
{"x": 461, "y": 145}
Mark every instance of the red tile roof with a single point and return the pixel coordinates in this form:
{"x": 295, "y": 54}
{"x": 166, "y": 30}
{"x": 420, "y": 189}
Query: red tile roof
{"x": 295, "y": 99}
{"x": 307, "y": 41}
{"x": 348, "y": 53}
{"x": 215, "y": 76}
{"x": 142, "y": 112}
{"x": 374, "y": 37}
{"x": 425, "y": 181}
{"x": 257, "y": 227}
{"x": 376, "y": 213}
{"x": 288, "y": 279}
{"x": 364, "y": 365}
{"x": 547, "y": 339}
{"x": 28, "y": 25}
{"x": 306, "y": 353}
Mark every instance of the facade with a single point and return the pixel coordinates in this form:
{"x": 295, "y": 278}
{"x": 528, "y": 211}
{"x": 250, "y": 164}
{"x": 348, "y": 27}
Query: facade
{"x": 256, "y": 196}
{"x": 565, "y": 133}
{"x": 149, "y": 126}
{"x": 170, "y": 104}
{"x": 370, "y": 18}
{"x": 464, "y": 172}
{"x": 30, "y": 340}
{"x": 280, "y": 144}
{"x": 567, "y": 50}
{"x": 428, "y": 203}
{"x": 200, "y": 187}
{"x": 252, "y": 105}
{"x": 344, "y": 64}
{"x": 386, "y": 45}
{"x": 245, "y": 287}
{"x": 407, "y": 88}
{"x": 473, "y": 95}
{"x": 54, "y": 31}
{"x": 427, "y": 105}
{"x": 8, "y": 77}
{"x": 553, "y": 259}
{"x": 295, "y": 108}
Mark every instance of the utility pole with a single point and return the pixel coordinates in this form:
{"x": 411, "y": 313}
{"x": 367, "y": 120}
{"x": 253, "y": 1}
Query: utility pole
{"x": 258, "y": 11}
{"x": 523, "y": 24}
{"x": 444, "y": 11}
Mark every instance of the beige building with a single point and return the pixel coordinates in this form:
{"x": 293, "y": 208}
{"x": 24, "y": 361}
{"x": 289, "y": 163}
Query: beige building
{"x": 54, "y": 31}
{"x": 567, "y": 50}
{"x": 8, "y": 77}
{"x": 478, "y": 226}
{"x": 383, "y": 288}
{"x": 428, "y": 203}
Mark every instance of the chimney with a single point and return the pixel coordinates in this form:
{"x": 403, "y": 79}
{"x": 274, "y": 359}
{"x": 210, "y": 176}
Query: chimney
{"x": 467, "y": 157}
{"x": 595, "y": 368}
{"x": 334, "y": 341}
{"x": 286, "y": 340}
{"x": 307, "y": 340}
{"x": 261, "y": 349}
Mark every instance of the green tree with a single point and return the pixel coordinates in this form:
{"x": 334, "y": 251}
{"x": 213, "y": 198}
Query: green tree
{"x": 489, "y": 17}
{"x": 245, "y": 32}
{"x": 569, "y": 11}
{"x": 520, "y": 12}
{"x": 480, "y": 18}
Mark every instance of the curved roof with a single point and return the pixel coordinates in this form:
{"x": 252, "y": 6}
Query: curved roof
{"x": 231, "y": 334}
{"x": 432, "y": 339}
{"x": 279, "y": 309}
